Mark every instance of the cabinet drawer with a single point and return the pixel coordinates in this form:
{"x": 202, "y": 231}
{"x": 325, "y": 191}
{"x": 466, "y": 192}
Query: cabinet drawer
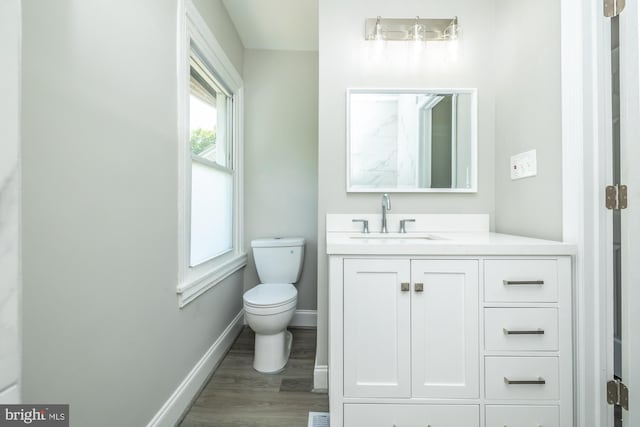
{"x": 361, "y": 415}
{"x": 521, "y": 280}
{"x": 521, "y": 329}
{"x": 526, "y": 375}
{"x": 522, "y": 416}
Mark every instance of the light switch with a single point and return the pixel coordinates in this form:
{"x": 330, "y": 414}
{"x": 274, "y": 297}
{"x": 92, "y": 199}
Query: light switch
{"x": 524, "y": 165}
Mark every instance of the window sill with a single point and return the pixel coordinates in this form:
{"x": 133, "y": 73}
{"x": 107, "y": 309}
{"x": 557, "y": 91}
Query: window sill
{"x": 192, "y": 289}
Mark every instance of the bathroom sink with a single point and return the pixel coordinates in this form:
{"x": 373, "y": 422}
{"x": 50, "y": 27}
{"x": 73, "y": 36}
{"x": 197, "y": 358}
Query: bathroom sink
{"x": 397, "y": 236}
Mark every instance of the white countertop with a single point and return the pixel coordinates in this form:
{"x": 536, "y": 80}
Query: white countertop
{"x": 445, "y": 243}
{"x": 431, "y": 234}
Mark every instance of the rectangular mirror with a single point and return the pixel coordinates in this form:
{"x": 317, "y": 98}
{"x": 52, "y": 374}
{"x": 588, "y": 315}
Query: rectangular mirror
{"x": 412, "y": 140}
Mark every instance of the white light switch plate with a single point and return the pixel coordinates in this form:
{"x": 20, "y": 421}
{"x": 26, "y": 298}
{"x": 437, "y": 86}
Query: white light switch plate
{"x": 524, "y": 165}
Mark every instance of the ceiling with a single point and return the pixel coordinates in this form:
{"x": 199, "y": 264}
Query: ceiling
{"x": 276, "y": 24}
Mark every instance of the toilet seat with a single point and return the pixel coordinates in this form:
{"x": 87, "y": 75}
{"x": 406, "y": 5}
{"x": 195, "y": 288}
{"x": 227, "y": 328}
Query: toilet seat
{"x": 270, "y": 298}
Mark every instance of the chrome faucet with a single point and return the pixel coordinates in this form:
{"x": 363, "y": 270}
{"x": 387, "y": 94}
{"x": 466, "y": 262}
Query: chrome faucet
{"x": 386, "y": 206}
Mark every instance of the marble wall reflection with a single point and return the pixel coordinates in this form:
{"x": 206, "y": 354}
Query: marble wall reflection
{"x": 383, "y": 154}
{"x": 9, "y": 200}
{"x": 9, "y": 270}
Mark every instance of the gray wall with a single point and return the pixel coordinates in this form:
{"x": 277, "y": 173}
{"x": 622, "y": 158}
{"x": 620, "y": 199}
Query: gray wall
{"x": 528, "y": 116}
{"x": 218, "y": 20}
{"x": 281, "y": 156}
{"x": 9, "y": 199}
{"x": 346, "y": 60}
{"x": 102, "y": 327}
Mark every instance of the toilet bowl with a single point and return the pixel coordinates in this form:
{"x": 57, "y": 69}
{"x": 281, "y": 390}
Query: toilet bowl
{"x": 268, "y": 310}
{"x": 269, "y": 306}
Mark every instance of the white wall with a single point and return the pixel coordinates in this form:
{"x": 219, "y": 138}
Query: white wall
{"x": 102, "y": 327}
{"x": 9, "y": 200}
{"x": 281, "y": 156}
{"x": 528, "y": 116}
{"x": 346, "y": 60}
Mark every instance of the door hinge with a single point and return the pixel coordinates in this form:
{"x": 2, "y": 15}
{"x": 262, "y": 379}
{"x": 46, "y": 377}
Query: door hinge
{"x": 618, "y": 394}
{"x": 613, "y": 7}
{"x": 616, "y": 197}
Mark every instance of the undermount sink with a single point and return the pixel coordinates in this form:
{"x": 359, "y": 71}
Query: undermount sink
{"x": 397, "y": 236}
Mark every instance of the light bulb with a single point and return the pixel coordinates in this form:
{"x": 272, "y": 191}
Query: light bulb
{"x": 377, "y": 35}
{"x": 451, "y": 32}
{"x": 416, "y": 30}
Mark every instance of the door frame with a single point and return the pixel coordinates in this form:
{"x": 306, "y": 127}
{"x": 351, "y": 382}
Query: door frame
{"x": 630, "y": 224}
{"x": 586, "y": 161}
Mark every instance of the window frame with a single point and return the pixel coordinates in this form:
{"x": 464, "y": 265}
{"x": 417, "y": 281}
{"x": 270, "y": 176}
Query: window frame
{"x": 194, "y": 35}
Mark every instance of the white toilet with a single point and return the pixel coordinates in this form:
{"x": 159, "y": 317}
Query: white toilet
{"x": 269, "y": 306}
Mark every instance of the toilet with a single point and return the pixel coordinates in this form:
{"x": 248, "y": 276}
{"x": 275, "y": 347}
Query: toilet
{"x": 269, "y": 306}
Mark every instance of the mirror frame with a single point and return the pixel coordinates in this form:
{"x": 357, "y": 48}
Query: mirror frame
{"x": 474, "y": 140}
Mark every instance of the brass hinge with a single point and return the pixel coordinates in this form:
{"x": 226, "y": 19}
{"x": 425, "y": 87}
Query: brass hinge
{"x": 616, "y": 197}
{"x": 613, "y": 7}
{"x": 618, "y": 394}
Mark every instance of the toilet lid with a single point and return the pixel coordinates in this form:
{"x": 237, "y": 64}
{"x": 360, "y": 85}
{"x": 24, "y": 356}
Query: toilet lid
{"x": 277, "y": 242}
{"x": 271, "y": 294}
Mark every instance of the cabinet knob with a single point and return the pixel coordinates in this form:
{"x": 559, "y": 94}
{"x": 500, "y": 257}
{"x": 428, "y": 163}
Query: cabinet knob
{"x": 404, "y": 286}
{"x": 419, "y": 287}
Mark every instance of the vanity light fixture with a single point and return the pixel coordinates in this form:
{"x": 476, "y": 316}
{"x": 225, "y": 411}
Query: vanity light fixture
{"x": 411, "y": 29}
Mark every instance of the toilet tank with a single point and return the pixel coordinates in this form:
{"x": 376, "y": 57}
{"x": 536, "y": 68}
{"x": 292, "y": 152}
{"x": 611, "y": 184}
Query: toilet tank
{"x": 278, "y": 259}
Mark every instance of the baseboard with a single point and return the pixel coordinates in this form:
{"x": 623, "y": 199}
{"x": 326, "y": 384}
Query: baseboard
{"x": 10, "y": 395}
{"x": 304, "y": 319}
{"x": 321, "y": 378}
{"x": 181, "y": 399}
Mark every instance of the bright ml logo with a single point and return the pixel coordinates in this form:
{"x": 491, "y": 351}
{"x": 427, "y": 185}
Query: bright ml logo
{"x": 34, "y": 415}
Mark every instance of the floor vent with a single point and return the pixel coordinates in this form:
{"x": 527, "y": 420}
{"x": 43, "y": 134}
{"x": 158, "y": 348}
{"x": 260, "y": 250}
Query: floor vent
{"x": 318, "y": 419}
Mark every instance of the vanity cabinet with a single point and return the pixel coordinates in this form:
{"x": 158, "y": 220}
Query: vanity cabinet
{"x": 450, "y": 341}
{"x": 411, "y": 328}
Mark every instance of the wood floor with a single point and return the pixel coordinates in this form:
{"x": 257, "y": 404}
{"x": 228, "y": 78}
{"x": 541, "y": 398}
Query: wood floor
{"x": 238, "y": 396}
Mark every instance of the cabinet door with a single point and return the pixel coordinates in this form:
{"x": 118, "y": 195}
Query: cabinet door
{"x": 377, "y": 332}
{"x": 445, "y": 354}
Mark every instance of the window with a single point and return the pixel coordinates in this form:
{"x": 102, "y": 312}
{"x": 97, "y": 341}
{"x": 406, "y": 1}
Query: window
{"x": 210, "y": 122}
{"x": 210, "y": 211}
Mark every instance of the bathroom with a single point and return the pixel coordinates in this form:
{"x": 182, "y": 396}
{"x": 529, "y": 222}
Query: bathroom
{"x": 96, "y": 312}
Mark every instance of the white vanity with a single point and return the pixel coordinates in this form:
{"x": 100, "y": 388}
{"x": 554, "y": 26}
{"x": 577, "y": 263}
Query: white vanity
{"x": 447, "y": 325}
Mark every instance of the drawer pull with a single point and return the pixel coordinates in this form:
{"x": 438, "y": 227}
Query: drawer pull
{"x": 538, "y": 381}
{"x": 404, "y": 287}
{"x": 522, "y": 282}
{"x": 523, "y": 332}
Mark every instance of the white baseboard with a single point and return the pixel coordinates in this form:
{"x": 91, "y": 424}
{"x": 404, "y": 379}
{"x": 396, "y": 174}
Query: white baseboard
{"x": 181, "y": 399}
{"x": 10, "y": 395}
{"x": 320, "y": 378}
{"x": 304, "y": 319}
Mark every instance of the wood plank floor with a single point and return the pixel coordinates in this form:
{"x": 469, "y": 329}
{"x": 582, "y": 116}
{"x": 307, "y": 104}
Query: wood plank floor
{"x": 238, "y": 396}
